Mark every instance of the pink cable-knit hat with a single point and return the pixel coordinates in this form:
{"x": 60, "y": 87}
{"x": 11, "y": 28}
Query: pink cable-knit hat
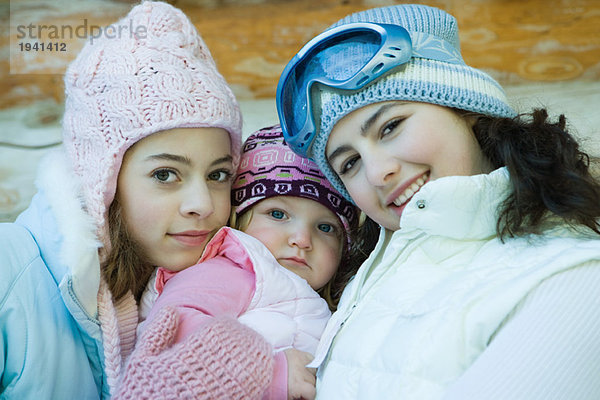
{"x": 151, "y": 73}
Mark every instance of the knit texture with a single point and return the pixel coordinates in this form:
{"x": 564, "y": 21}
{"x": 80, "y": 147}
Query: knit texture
{"x": 268, "y": 167}
{"x": 222, "y": 360}
{"x": 118, "y": 323}
{"x": 110, "y": 336}
{"x": 452, "y": 84}
{"x": 128, "y": 85}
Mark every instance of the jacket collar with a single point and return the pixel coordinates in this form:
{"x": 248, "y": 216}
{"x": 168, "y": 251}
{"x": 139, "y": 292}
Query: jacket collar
{"x": 458, "y": 207}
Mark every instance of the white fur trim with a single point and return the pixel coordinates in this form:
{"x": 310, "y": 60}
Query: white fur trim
{"x": 80, "y": 245}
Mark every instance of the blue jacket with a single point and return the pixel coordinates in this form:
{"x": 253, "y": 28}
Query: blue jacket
{"x": 50, "y": 338}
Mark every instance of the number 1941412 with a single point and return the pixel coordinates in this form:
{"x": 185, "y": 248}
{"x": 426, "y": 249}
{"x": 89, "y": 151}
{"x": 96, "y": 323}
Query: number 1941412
{"x": 42, "y": 46}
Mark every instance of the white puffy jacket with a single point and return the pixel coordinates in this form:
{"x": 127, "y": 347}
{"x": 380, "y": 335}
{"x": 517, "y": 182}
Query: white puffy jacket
{"x": 433, "y": 295}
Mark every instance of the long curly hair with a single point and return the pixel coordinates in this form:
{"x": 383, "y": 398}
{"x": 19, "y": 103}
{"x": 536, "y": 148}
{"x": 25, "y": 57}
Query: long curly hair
{"x": 549, "y": 174}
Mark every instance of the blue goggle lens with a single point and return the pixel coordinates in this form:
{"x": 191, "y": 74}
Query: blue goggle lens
{"x": 382, "y": 47}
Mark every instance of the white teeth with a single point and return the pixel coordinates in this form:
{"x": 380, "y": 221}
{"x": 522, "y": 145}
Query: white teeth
{"x": 400, "y": 200}
{"x": 411, "y": 190}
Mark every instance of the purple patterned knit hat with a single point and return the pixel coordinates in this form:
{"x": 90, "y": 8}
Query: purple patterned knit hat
{"x": 268, "y": 168}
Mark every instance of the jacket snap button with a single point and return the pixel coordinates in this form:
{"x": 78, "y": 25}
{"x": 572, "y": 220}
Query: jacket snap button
{"x": 421, "y": 204}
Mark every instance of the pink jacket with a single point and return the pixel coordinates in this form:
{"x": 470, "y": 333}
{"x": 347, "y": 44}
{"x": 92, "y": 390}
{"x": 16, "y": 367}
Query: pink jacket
{"x": 237, "y": 277}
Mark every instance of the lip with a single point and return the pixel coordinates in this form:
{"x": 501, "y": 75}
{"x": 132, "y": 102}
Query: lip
{"x": 295, "y": 261}
{"x": 401, "y": 189}
{"x": 191, "y": 238}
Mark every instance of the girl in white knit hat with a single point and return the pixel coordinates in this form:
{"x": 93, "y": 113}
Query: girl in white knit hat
{"x": 484, "y": 282}
{"x": 152, "y": 136}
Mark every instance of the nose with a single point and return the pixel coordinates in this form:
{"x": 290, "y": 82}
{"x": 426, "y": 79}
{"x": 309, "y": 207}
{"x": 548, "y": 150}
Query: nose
{"x": 300, "y": 237}
{"x": 380, "y": 168}
{"x": 197, "y": 201}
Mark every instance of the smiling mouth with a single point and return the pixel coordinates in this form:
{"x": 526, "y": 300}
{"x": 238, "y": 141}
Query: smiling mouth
{"x": 410, "y": 191}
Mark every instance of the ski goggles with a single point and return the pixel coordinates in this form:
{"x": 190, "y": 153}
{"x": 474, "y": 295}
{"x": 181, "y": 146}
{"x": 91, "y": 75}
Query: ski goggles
{"x": 391, "y": 46}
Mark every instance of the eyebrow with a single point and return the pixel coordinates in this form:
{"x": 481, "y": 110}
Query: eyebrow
{"x": 227, "y": 158}
{"x": 365, "y": 127}
{"x": 337, "y": 152}
{"x": 373, "y": 118}
{"x": 185, "y": 160}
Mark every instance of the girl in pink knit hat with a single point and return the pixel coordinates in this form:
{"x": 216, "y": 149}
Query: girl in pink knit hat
{"x": 280, "y": 276}
{"x": 152, "y": 136}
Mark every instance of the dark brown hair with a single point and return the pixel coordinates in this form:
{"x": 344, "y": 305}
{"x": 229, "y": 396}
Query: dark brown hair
{"x": 549, "y": 173}
{"x": 124, "y": 269}
{"x": 362, "y": 241}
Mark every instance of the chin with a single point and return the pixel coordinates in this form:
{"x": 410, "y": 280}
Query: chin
{"x": 179, "y": 265}
{"x": 391, "y": 224}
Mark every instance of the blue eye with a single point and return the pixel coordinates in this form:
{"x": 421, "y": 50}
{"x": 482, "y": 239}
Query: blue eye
{"x": 277, "y": 214}
{"x": 326, "y": 228}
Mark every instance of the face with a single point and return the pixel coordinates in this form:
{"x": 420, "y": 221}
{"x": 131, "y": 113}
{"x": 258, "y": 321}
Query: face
{"x": 385, "y": 152}
{"x": 174, "y": 189}
{"x": 304, "y": 236}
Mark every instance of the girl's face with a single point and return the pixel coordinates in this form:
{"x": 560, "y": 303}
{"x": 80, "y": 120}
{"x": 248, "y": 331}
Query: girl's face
{"x": 304, "y": 236}
{"x": 174, "y": 189}
{"x": 385, "y": 152}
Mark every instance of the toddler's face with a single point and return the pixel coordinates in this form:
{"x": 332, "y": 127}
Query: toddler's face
{"x": 174, "y": 189}
{"x": 304, "y": 236}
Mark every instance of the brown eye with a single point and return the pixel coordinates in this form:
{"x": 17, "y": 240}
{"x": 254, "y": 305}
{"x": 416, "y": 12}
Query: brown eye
{"x": 390, "y": 126}
{"x": 348, "y": 165}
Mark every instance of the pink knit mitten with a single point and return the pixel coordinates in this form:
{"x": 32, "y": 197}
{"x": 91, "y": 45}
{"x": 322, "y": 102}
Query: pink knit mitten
{"x": 222, "y": 360}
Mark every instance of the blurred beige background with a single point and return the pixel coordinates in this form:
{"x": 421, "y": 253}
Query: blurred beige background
{"x": 545, "y": 53}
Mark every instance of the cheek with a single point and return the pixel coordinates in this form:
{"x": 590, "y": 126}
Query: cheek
{"x": 353, "y": 186}
{"x": 143, "y": 218}
{"x": 363, "y": 195}
{"x": 143, "y": 209}
{"x": 329, "y": 262}
{"x": 420, "y": 147}
{"x": 358, "y": 187}
{"x": 222, "y": 204}
{"x": 267, "y": 235}
{"x": 331, "y": 252}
